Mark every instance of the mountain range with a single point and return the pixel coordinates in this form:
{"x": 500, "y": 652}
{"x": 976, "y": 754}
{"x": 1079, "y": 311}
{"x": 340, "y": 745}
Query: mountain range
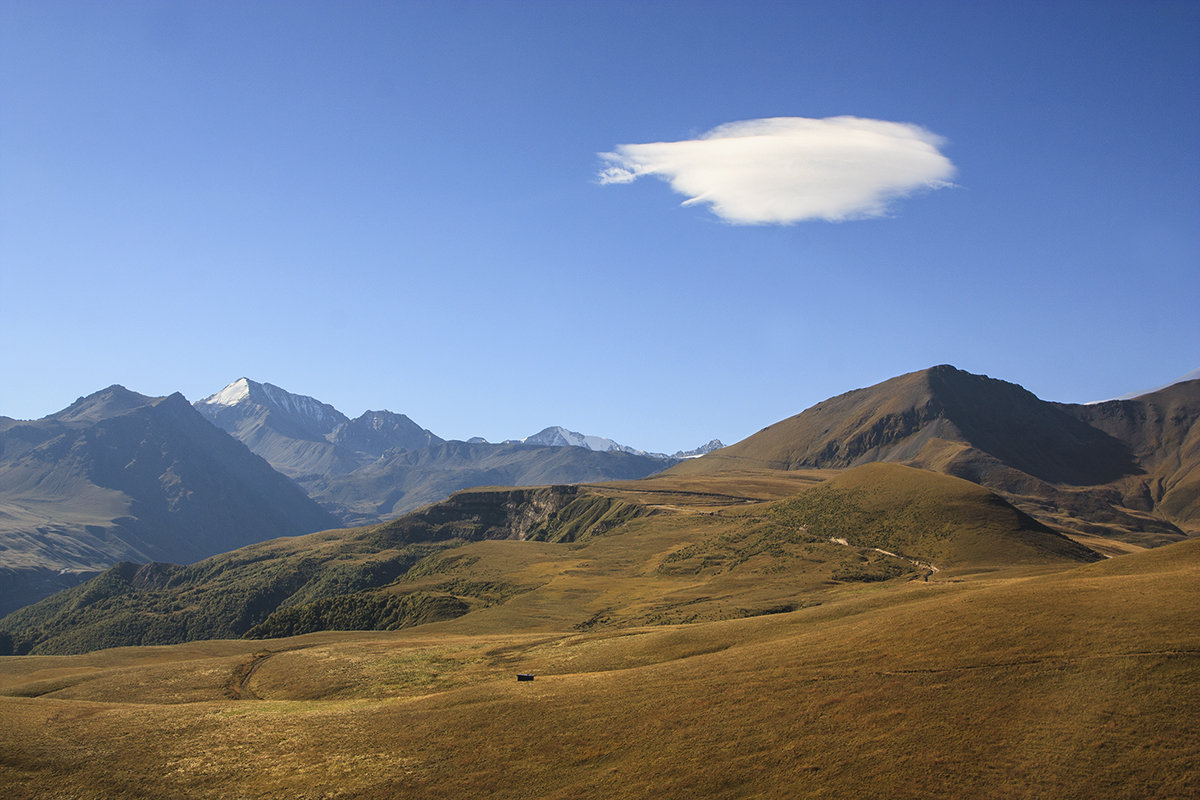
{"x": 557, "y": 436}
{"x": 381, "y": 464}
{"x": 118, "y": 476}
{"x": 938, "y": 586}
{"x": 1068, "y": 481}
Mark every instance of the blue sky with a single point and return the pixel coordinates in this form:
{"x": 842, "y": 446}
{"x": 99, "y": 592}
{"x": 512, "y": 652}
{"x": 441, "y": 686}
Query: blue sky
{"x": 398, "y": 205}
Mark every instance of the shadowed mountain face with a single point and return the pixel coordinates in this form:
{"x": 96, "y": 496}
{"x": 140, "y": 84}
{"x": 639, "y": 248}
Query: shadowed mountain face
{"x": 1046, "y": 456}
{"x": 1160, "y": 430}
{"x": 120, "y": 476}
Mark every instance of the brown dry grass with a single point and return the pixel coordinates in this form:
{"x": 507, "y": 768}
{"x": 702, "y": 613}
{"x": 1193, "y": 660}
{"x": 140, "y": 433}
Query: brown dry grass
{"x": 1076, "y": 684}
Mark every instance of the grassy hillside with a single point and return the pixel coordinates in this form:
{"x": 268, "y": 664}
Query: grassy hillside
{"x": 1080, "y": 683}
{"x": 914, "y": 417}
{"x": 335, "y": 579}
{"x": 657, "y": 552}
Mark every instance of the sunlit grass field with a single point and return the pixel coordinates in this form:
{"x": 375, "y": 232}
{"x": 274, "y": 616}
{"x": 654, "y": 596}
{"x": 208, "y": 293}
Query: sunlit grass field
{"x": 668, "y": 664}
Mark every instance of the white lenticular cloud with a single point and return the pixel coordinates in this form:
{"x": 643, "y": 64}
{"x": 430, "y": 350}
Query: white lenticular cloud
{"x": 789, "y": 169}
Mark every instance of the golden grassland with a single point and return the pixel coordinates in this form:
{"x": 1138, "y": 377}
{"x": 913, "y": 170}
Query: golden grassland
{"x": 1039, "y": 678}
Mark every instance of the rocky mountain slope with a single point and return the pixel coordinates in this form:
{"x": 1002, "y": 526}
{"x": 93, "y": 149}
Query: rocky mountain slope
{"x": 381, "y": 464}
{"x": 1160, "y": 430}
{"x": 1123, "y": 468}
{"x": 304, "y": 438}
{"x": 118, "y": 476}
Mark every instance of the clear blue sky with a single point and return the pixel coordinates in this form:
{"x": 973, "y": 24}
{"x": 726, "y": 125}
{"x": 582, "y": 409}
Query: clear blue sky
{"x": 397, "y": 205}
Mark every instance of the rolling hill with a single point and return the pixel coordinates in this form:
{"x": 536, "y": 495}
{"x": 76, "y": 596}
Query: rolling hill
{"x": 1077, "y": 683}
{"x": 564, "y": 556}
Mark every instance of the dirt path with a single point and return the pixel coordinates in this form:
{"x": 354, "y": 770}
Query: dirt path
{"x": 925, "y": 565}
{"x": 238, "y": 685}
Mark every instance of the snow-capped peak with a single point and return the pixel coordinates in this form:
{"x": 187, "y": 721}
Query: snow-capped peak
{"x": 322, "y": 417}
{"x": 557, "y": 436}
{"x": 231, "y": 395}
{"x": 702, "y": 450}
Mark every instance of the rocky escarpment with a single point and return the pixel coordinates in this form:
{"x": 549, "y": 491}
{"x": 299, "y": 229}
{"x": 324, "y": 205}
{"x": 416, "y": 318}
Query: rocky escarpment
{"x": 545, "y": 513}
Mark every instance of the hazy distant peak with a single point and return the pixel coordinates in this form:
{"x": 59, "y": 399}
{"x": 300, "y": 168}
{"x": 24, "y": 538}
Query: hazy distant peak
{"x": 702, "y": 450}
{"x": 1190, "y": 376}
{"x": 245, "y": 391}
{"x": 380, "y": 420}
{"x": 375, "y": 432}
{"x": 558, "y": 436}
{"x": 108, "y": 402}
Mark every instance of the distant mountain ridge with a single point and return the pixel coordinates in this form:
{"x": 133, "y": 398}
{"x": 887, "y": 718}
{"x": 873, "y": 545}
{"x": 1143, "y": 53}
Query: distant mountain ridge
{"x": 404, "y": 480}
{"x": 382, "y": 464}
{"x": 1194, "y": 375}
{"x": 304, "y": 438}
{"x": 121, "y": 476}
{"x": 557, "y": 436}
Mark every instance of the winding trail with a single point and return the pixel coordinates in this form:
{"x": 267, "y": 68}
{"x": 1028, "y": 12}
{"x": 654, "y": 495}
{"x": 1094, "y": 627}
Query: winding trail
{"x": 919, "y": 564}
{"x": 237, "y": 687}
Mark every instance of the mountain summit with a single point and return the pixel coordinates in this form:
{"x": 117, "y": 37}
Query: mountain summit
{"x": 306, "y": 413}
{"x": 1058, "y": 462}
{"x": 303, "y": 438}
{"x": 940, "y": 418}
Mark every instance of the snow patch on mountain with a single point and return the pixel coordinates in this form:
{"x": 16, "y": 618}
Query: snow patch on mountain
{"x": 231, "y": 395}
{"x": 1194, "y": 375}
{"x": 558, "y": 436}
{"x": 322, "y": 415}
{"x": 702, "y": 450}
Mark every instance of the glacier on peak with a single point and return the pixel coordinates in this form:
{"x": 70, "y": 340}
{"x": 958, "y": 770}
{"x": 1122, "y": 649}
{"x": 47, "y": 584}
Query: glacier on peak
{"x": 231, "y": 395}
{"x": 244, "y": 390}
